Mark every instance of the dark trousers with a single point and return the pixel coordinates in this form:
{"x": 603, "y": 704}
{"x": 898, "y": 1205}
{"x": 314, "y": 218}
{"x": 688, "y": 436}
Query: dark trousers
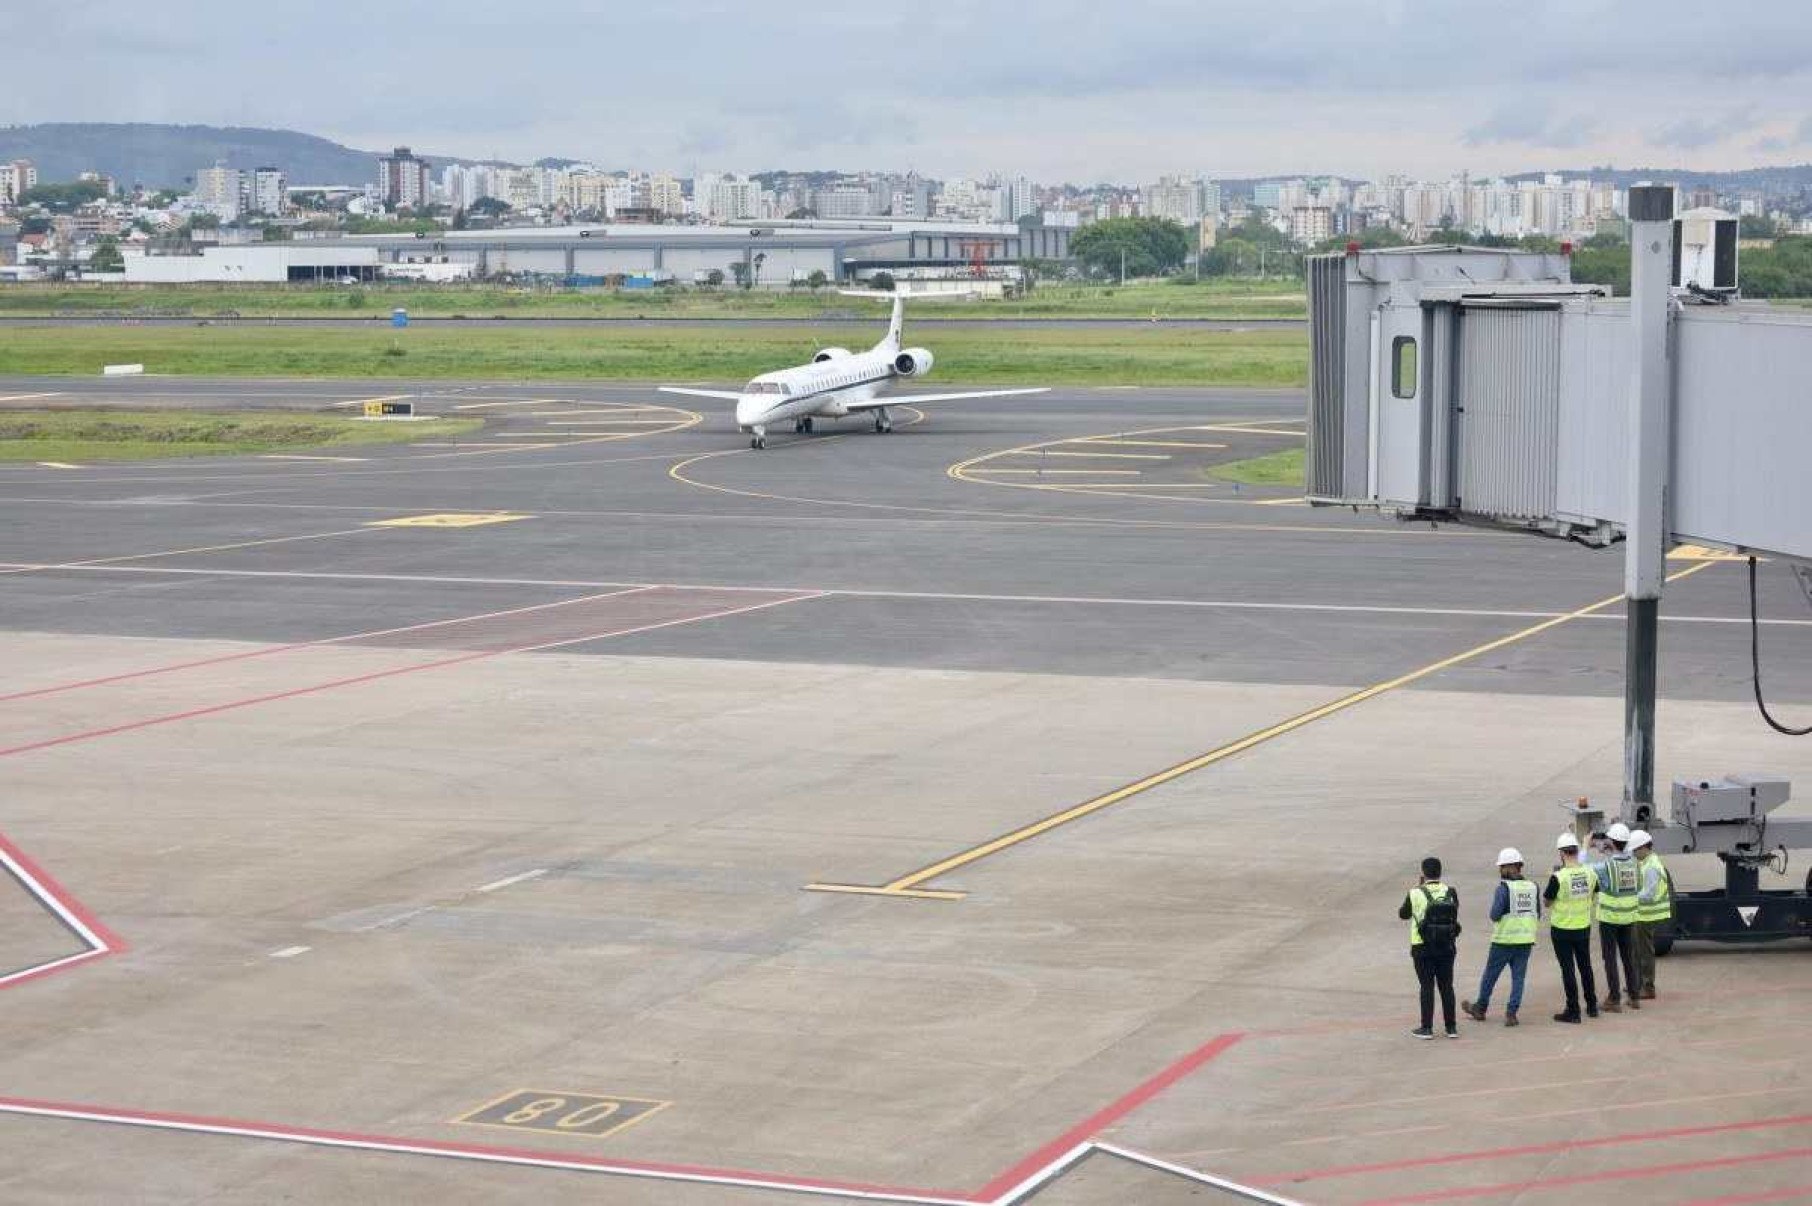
{"x": 1573, "y": 948}
{"x": 1619, "y": 943}
{"x": 1434, "y": 969}
{"x": 1644, "y": 934}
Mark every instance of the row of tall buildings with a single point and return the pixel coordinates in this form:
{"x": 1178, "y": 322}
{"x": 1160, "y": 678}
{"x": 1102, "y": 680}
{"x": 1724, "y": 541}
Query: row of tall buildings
{"x": 230, "y": 193}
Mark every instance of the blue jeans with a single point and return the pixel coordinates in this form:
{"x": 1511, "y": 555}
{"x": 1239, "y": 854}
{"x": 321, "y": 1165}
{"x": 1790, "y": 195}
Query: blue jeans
{"x": 1516, "y": 958}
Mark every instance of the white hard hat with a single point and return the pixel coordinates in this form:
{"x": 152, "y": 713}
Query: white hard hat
{"x": 1566, "y": 841}
{"x": 1618, "y": 832}
{"x": 1508, "y": 855}
{"x": 1640, "y": 838}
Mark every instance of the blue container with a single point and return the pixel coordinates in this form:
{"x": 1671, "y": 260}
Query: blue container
{"x": 399, "y": 317}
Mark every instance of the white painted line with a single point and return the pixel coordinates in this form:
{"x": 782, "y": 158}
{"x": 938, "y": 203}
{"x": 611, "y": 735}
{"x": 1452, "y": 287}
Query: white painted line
{"x": 58, "y": 465}
{"x": 122, "y": 370}
{"x": 290, "y": 952}
{"x": 933, "y": 596}
{"x": 450, "y": 1151}
{"x": 394, "y": 919}
{"x": 1190, "y": 1174}
{"x": 491, "y": 405}
{"x": 494, "y": 885}
{"x": 1044, "y": 1175}
{"x": 280, "y": 456}
{"x": 41, "y": 969}
{"x": 49, "y": 900}
{"x": 26, "y": 397}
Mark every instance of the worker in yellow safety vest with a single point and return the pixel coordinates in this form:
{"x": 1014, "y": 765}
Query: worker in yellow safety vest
{"x": 1569, "y": 895}
{"x": 1432, "y": 909}
{"x": 1654, "y": 908}
{"x": 1619, "y": 881}
{"x": 1515, "y": 918}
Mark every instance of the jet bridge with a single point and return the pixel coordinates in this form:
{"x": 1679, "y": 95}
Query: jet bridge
{"x": 1484, "y": 386}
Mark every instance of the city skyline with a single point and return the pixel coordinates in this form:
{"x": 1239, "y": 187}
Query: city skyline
{"x": 1355, "y": 89}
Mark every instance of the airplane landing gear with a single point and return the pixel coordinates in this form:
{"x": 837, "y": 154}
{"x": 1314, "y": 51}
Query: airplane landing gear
{"x": 802, "y": 426}
{"x": 760, "y": 439}
{"x": 883, "y": 424}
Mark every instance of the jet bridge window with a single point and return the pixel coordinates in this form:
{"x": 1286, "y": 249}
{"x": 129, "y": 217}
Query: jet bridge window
{"x": 1403, "y": 366}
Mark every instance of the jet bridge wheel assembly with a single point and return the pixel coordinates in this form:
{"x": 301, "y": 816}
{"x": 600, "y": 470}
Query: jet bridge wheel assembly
{"x": 1729, "y": 817}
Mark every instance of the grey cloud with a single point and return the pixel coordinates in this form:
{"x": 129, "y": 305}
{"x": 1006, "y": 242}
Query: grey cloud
{"x": 1371, "y": 84}
{"x": 1700, "y": 131}
{"x": 1531, "y": 125}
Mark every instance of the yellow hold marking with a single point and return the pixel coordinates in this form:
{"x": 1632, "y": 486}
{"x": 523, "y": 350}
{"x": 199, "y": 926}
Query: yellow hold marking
{"x": 446, "y": 519}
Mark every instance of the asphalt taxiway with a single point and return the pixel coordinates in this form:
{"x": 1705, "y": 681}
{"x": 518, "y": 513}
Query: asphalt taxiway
{"x": 1005, "y": 805}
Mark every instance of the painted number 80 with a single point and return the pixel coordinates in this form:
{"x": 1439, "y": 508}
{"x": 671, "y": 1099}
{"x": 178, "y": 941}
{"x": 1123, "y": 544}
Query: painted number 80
{"x": 577, "y": 1119}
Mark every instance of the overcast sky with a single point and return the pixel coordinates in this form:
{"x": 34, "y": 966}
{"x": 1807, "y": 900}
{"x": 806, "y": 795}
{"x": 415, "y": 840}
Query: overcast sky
{"x": 1054, "y": 89}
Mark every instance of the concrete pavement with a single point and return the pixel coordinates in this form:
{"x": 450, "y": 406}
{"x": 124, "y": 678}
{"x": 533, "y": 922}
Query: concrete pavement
{"x": 395, "y": 824}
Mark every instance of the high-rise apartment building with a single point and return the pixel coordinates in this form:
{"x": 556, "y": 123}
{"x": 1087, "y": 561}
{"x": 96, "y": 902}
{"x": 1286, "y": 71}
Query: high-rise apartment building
{"x": 15, "y": 178}
{"x": 403, "y": 179}
{"x": 267, "y": 191}
{"x": 220, "y": 190}
{"x": 1310, "y": 224}
{"x": 1174, "y": 198}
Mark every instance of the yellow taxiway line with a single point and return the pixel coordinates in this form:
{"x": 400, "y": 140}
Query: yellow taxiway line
{"x": 912, "y": 883}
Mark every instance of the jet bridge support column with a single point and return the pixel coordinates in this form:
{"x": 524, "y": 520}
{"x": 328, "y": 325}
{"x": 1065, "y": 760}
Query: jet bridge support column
{"x": 1651, "y": 210}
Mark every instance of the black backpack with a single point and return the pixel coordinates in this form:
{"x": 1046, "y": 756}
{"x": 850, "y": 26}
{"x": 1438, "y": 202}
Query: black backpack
{"x": 1440, "y": 920}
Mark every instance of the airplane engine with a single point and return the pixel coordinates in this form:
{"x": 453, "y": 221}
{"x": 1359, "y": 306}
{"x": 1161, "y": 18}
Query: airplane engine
{"x": 830, "y": 354}
{"x": 913, "y": 362}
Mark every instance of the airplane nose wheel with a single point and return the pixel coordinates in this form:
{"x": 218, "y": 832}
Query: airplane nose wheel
{"x": 760, "y": 439}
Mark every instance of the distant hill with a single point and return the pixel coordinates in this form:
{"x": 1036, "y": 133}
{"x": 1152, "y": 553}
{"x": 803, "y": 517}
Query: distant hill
{"x": 165, "y": 156}
{"x": 1786, "y": 178}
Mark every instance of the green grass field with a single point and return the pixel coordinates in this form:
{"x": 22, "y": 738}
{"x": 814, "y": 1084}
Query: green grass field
{"x": 1273, "y": 469}
{"x": 80, "y": 436}
{"x": 1219, "y": 298}
{"x": 1124, "y": 355}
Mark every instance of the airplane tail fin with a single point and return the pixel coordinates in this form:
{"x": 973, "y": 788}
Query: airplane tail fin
{"x": 896, "y": 328}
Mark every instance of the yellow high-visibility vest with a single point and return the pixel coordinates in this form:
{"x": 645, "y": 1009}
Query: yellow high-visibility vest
{"x": 1617, "y": 897}
{"x": 1418, "y": 907}
{"x": 1518, "y": 924}
{"x": 1572, "y": 907}
{"x": 1662, "y": 908}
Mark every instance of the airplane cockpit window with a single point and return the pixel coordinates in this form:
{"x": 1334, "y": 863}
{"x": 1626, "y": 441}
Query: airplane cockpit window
{"x": 765, "y": 387}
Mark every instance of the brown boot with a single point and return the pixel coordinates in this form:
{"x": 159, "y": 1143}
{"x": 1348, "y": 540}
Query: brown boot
{"x": 1475, "y": 1012}
{"x": 1611, "y": 1006}
{"x": 1635, "y": 1001}
{"x": 1510, "y": 1019}
{"x": 1648, "y": 994}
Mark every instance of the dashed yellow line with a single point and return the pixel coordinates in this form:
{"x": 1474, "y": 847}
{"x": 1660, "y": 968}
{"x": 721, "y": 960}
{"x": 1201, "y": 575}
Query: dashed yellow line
{"x": 1064, "y": 472}
{"x": 1146, "y": 443}
{"x": 913, "y": 882}
{"x": 1114, "y": 456}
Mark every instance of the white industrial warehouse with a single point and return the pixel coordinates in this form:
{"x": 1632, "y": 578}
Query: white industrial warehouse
{"x": 771, "y": 253}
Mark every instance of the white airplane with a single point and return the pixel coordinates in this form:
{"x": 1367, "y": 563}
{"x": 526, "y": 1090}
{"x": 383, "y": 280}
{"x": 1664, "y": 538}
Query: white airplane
{"x": 839, "y": 382}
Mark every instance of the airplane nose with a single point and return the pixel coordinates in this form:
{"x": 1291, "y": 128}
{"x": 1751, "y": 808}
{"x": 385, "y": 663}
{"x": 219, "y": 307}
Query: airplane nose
{"x": 747, "y": 411}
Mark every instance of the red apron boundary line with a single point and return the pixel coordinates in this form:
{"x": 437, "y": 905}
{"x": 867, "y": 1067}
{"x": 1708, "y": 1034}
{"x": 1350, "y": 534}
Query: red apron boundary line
{"x": 1536, "y": 1149}
{"x": 1620, "y": 1174}
{"x": 392, "y": 672}
{"x": 328, "y": 642}
{"x": 1086, "y": 1130}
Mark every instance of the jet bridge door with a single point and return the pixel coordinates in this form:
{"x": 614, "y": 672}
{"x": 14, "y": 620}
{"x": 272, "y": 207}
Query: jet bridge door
{"x": 1399, "y": 418}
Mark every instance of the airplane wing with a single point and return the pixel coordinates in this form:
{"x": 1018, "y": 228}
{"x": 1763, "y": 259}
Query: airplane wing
{"x": 917, "y": 399}
{"x": 729, "y": 395}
